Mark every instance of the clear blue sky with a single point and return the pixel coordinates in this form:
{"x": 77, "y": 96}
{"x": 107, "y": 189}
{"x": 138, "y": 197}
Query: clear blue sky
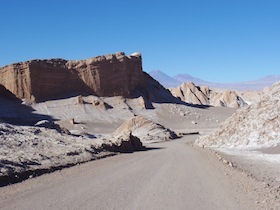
{"x": 216, "y": 40}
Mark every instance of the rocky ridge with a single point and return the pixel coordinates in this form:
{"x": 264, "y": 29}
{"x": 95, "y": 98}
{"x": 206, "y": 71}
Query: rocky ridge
{"x": 202, "y": 95}
{"x": 247, "y": 86}
{"x": 254, "y": 126}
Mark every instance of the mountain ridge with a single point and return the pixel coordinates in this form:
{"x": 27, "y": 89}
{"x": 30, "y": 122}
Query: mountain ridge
{"x": 253, "y": 85}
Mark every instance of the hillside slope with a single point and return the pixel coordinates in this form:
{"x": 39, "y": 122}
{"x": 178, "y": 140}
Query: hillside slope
{"x": 254, "y": 126}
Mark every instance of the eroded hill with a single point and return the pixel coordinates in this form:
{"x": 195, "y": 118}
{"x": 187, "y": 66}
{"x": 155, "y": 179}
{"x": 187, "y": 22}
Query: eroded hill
{"x": 202, "y": 95}
{"x": 253, "y": 126}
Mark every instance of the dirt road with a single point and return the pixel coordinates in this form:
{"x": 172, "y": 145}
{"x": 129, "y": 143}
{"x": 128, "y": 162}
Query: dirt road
{"x": 170, "y": 175}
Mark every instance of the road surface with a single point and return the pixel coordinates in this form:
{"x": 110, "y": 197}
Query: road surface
{"x": 170, "y": 175}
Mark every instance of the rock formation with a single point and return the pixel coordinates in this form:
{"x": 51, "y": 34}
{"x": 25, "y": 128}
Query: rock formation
{"x": 109, "y": 75}
{"x": 125, "y": 142}
{"x": 255, "y": 125}
{"x": 202, "y": 95}
{"x": 190, "y": 93}
{"x": 145, "y": 129}
{"x": 27, "y": 150}
{"x": 226, "y": 98}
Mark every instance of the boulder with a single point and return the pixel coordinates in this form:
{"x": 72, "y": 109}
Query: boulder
{"x": 101, "y": 104}
{"x": 146, "y": 130}
{"x": 125, "y": 142}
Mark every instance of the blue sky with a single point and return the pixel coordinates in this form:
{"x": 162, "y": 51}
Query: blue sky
{"x": 216, "y": 40}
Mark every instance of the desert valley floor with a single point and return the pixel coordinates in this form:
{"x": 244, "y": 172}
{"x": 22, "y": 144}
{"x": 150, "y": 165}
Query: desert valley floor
{"x": 166, "y": 175}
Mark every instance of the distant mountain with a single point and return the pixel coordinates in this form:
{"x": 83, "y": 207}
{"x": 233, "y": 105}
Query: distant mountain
{"x": 255, "y": 85}
{"x": 168, "y": 81}
{"x": 188, "y": 78}
{"x": 266, "y": 80}
{"x": 164, "y": 79}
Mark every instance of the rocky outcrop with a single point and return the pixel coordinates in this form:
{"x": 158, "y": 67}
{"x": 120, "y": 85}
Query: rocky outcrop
{"x": 146, "y": 130}
{"x": 252, "y": 126}
{"x": 190, "y": 93}
{"x": 202, "y": 95}
{"x": 28, "y": 149}
{"x": 125, "y": 142}
{"x": 226, "y": 98}
{"x": 109, "y": 75}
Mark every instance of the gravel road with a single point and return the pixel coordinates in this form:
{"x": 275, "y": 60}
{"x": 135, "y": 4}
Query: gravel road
{"x": 169, "y": 175}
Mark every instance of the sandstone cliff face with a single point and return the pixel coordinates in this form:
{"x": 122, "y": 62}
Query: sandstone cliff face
{"x": 16, "y": 79}
{"x": 202, "y": 95}
{"x": 252, "y": 126}
{"x": 109, "y": 75}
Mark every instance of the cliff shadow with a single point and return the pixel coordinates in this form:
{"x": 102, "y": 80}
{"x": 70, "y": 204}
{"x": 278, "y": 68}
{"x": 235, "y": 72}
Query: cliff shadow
{"x": 54, "y": 81}
{"x": 16, "y": 113}
{"x": 154, "y": 92}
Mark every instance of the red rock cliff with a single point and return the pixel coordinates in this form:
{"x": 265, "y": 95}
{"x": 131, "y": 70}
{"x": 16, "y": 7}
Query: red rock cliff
{"x": 109, "y": 75}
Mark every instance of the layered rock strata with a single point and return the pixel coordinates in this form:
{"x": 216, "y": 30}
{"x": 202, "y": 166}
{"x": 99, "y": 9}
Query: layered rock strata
{"x": 108, "y": 75}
